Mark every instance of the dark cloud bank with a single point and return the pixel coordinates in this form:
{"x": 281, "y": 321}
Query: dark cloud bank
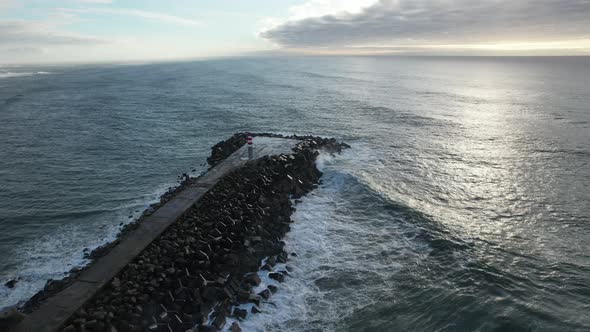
{"x": 415, "y": 22}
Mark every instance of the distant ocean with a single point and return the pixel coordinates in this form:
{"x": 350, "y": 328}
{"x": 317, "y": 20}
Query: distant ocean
{"x": 462, "y": 206}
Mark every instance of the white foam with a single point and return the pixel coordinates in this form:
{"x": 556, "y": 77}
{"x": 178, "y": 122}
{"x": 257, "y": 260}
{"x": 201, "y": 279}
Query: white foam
{"x": 11, "y": 74}
{"x": 48, "y": 258}
{"x": 331, "y": 244}
{"x": 51, "y": 256}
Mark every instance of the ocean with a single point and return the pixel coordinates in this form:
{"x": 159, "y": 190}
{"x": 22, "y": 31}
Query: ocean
{"x": 463, "y": 204}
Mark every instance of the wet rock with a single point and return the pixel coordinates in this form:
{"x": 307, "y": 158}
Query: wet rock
{"x": 265, "y": 294}
{"x": 93, "y": 324}
{"x": 207, "y": 328}
{"x": 277, "y": 276}
{"x": 273, "y": 289}
{"x": 272, "y": 260}
{"x": 11, "y": 283}
{"x": 79, "y": 321}
{"x": 210, "y": 294}
{"x": 219, "y": 320}
{"x": 69, "y": 328}
{"x": 207, "y": 259}
{"x": 256, "y": 299}
{"x": 235, "y": 327}
{"x": 243, "y": 296}
{"x": 252, "y": 279}
{"x": 240, "y": 313}
{"x": 255, "y": 310}
{"x": 82, "y": 313}
{"x": 282, "y": 257}
{"x": 116, "y": 283}
{"x": 224, "y": 149}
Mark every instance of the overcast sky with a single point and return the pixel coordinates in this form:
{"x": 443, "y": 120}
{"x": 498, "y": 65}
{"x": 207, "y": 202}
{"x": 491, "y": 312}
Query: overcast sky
{"x": 41, "y": 31}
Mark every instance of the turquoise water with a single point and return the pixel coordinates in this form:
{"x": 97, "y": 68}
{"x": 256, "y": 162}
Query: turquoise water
{"x": 463, "y": 204}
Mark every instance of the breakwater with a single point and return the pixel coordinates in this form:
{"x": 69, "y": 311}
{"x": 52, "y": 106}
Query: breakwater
{"x": 202, "y": 266}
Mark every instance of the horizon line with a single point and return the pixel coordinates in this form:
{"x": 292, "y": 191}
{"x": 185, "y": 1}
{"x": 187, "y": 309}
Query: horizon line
{"x": 269, "y": 54}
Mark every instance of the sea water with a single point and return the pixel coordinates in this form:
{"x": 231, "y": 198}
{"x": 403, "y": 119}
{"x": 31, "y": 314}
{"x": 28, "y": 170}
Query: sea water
{"x": 462, "y": 205}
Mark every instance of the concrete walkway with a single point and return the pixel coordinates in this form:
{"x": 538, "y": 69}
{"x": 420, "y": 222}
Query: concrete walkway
{"x": 56, "y": 310}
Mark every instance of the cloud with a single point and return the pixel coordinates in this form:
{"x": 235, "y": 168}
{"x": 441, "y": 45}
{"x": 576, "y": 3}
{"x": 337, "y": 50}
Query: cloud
{"x": 135, "y": 13}
{"x": 24, "y": 41}
{"x": 317, "y": 8}
{"x": 52, "y": 40}
{"x": 407, "y": 23}
{"x": 23, "y": 33}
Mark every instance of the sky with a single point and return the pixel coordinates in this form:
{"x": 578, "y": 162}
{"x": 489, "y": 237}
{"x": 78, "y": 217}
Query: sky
{"x": 62, "y": 31}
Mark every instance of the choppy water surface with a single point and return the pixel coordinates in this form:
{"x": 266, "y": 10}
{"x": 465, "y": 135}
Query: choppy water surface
{"x": 463, "y": 204}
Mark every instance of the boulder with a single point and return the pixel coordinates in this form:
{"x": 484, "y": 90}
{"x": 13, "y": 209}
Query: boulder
{"x": 207, "y": 328}
{"x": 210, "y": 294}
{"x": 277, "y": 276}
{"x": 116, "y": 283}
{"x": 11, "y": 283}
{"x": 92, "y": 325}
{"x": 240, "y": 313}
{"x": 202, "y": 260}
{"x": 243, "y": 296}
{"x": 235, "y": 327}
{"x": 252, "y": 279}
{"x": 265, "y": 294}
{"x": 219, "y": 320}
{"x": 256, "y": 299}
{"x": 69, "y": 328}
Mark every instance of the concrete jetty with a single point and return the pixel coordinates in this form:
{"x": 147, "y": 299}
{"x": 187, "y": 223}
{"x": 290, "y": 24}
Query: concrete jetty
{"x": 55, "y": 311}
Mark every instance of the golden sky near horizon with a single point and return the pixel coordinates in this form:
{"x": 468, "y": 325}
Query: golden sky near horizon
{"x": 33, "y": 31}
